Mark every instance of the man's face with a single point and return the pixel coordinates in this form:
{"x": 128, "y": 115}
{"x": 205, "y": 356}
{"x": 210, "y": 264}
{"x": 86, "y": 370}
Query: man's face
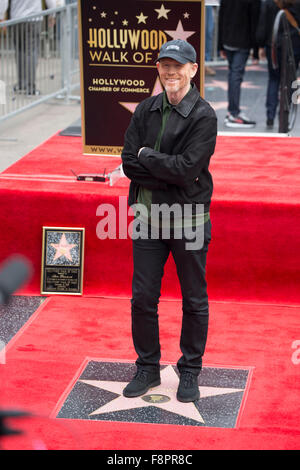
{"x": 176, "y": 77}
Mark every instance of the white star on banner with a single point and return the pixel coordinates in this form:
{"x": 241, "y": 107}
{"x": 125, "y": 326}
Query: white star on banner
{"x": 141, "y": 18}
{"x": 167, "y": 390}
{"x": 179, "y": 33}
{"x": 223, "y": 84}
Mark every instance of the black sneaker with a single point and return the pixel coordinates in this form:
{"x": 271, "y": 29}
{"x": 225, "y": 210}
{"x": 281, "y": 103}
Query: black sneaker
{"x": 240, "y": 121}
{"x": 188, "y": 389}
{"x": 33, "y": 92}
{"x": 19, "y": 90}
{"x": 270, "y": 123}
{"x": 140, "y": 384}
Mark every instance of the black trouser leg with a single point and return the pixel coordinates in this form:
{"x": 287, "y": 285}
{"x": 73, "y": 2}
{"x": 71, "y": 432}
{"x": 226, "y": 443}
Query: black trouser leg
{"x": 149, "y": 257}
{"x": 191, "y": 272}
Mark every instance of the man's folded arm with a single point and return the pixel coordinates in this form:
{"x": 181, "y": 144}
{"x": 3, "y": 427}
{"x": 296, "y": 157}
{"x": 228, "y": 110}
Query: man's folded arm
{"x": 183, "y": 169}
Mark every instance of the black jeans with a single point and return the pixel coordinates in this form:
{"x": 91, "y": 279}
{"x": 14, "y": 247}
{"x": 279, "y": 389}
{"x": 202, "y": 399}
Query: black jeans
{"x": 150, "y": 256}
{"x": 273, "y": 88}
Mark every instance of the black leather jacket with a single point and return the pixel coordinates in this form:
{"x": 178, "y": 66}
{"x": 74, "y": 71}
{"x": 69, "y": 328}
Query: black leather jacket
{"x": 268, "y": 13}
{"x": 178, "y": 173}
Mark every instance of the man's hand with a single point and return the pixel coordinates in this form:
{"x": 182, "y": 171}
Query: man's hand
{"x": 4, "y": 27}
{"x": 140, "y": 151}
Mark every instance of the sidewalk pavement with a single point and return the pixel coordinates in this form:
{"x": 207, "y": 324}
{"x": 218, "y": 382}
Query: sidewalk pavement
{"x": 24, "y": 132}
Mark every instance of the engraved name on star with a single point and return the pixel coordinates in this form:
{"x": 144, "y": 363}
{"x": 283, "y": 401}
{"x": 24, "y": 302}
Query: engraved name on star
{"x": 131, "y": 106}
{"x": 162, "y": 12}
{"x": 141, "y": 18}
{"x": 168, "y": 389}
{"x": 63, "y": 248}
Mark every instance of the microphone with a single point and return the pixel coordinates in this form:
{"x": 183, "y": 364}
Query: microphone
{"x": 14, "y": 272}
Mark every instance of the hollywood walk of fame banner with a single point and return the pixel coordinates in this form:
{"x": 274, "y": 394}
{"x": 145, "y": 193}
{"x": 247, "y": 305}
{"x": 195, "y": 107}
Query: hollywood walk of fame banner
{"x": 96, "y": 393}
{"x": 119, "y": 44}
{"x": 62, "y": 260}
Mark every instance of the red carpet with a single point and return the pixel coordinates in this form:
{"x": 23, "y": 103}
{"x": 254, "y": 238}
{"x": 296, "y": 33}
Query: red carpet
{"x": 255, "y": 214}
{"x": 253, "y": 278}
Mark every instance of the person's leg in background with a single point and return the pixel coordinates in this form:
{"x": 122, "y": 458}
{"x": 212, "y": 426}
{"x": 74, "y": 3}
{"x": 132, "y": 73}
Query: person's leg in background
{"x": 33, "y": 31}
{"x": 20, "y": 47}
{"x": 149, "y": 258}
{"x": 237, "y": 61}
{"x": 191, "y": 270}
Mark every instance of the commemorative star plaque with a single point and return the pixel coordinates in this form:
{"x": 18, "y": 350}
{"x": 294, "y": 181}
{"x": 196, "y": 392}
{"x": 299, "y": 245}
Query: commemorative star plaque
{"x": 62, "y": 260}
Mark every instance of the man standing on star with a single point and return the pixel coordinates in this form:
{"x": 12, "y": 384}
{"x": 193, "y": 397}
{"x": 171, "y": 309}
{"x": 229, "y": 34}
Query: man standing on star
{"x": 166, "y": 155}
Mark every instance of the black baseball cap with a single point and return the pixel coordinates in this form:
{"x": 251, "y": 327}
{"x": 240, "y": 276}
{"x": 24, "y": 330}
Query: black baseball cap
{"x": 179, "y": 50}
